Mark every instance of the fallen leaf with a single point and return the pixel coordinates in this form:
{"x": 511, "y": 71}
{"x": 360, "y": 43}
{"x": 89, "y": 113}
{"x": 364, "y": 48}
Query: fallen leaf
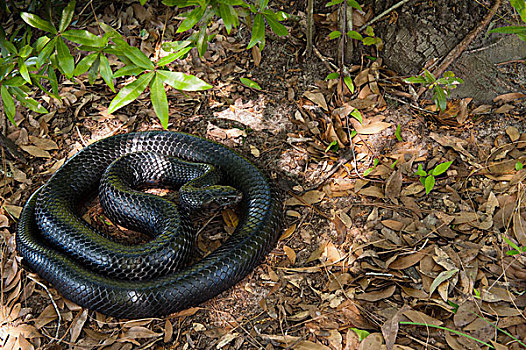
{"x": 317, "y": 98}
{"x": 372, "y": 128}
{"x": 442, "y": 277}
{"x": 377, "y": 295}
{"x": 35, "y": 151}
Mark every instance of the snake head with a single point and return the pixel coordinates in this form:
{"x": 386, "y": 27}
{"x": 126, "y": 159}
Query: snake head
{"x": 210, "y": 197}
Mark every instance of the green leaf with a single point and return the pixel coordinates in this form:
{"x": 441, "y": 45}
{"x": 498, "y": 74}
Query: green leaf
{"x": 22, "y": 69}
{"x": 258, "y": 31}
{"x": 138, "y": 57}
{"x": 52, "y": 79}
{"x": 362, "y": 334}
{"x": 229, "y": 16}
{"x": 14, "y": 81}
{"x": 127, "y": 71}
{"x": 348, "y": 81}
{"x": 511, "y": 243}
{"x": 333, "y": 144}
{"x": 430, "y": 78}
{"x": 520, "y": 7}
{"x": 333, "y": 75}
{"x": 398, "y": 133}
{"x": 429, "y": 183}
{"x": 28, "y": 101}
{"x": 67, "y": 15}
{"x": 43, "y": 56}
{"x": 9, "y": 104}
{"x": 357, "y": 115}
{"x": 85, "y": 63}
{"x": 369, "y": 31}
{"x": 191, "y": 19}
{"x": 173, "y": 56}
{"x": 421, "y": 171}
{"x": 181, "y": 81}
{"x": 354, "y": 4}
{"x": 441, "y": 168}
{"x": 278, "y": 28}
{"x": 65, "y": 60}
{"x": 333, "y": 2}
{"x": 130, "y": 92}
{"x": 25, "y": 51}
{"x": 83, "y": 37}
{"x": 415, "y": 80}
{"x": 37, "y": 22}
{"x": 175, "y": 46}
{"x": 519, "y": 166}
{"x": 510, "y": 30}
{"x": 105, "y": 72}
{"x": 250, "y": 83}
{"x": 159, "y": 100}
{"x": 439, "y": 95}
{"x": 369, "y": 41}
{"x": 202, "y": 41}
{"x": 353, "y": 34}
{"x": 335, "y": 34}
{"x": 93, "y": 71}
{"x": 442, "y": 277}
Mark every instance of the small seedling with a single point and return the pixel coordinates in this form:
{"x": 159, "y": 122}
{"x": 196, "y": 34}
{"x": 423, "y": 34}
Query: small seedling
{"x": 398, "y": 133}
{"x": 441, "y": 87}
{"x": 346, "y": 79}
{"x": 516, "y": 249}
{"x": 428, "y": 179}
{"x": 370, "y": 170}
{"x": 519, "y": 166}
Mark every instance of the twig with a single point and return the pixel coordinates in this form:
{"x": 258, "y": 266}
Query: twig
{"x": 310, "y": 27}
{"x": 375, "y": 19}
{"x": 331, "y": 66}
{"x": 461, "y": 47}
{"x": 54, "y": 305}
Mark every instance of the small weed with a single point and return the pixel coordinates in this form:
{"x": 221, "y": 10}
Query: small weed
{"x": 428, "y": 178}
{"x": 441, "y": 87}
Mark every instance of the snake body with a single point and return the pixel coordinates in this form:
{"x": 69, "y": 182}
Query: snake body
{"x": 99, "y": 274}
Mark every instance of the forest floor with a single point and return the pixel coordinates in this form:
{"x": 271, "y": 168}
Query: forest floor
{"x": 364, "y": 249}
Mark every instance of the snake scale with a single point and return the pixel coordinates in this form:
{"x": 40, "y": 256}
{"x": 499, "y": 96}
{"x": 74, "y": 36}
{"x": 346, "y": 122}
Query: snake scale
{"x": 87, "y": 279}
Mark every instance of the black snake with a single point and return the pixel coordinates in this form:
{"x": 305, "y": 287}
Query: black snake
{"x": 80, "y": 262}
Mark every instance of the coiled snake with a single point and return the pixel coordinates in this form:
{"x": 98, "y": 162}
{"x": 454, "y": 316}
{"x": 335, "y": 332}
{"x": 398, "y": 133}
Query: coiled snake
{"x": 82, "y": 264}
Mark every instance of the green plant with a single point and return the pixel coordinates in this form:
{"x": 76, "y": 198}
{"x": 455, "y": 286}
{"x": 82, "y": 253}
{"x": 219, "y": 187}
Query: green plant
{"x": 519, "y": 166}
{"x": 428, "y": 178}
{"x": 256, "y": 17}
{"x": 441, "y": 87}
{"x": 346, "y": 79}
{"x": 25, "y": 61}
{"x": 520, "y": 31}
{"x": 516, "y": 249}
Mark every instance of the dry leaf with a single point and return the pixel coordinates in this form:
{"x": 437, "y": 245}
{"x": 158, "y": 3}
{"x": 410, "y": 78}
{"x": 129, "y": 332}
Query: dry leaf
{"x": 309, "y": 198}
{"x": 372, "y": 128}
{"x": 374, "y": 341}
{"x": 77, "y": 324}
{"x": 35, "y": 151}
{"x": 291, "y": 254}
{"x": 138, "y": 332}
{"x": 420, "y": 317}
{"x": 317, "y": 98}
{"x": 377, "y": 295}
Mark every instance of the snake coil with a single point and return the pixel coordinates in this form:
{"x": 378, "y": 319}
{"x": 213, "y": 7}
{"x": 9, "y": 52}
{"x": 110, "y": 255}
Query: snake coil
{"x": 83, "y": 277}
